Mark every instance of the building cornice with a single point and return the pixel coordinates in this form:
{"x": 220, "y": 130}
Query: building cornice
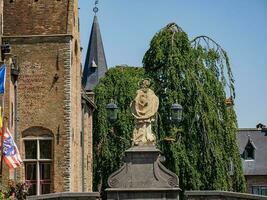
{"x": 22, "y": 39}
{"x": 41, "y": 36}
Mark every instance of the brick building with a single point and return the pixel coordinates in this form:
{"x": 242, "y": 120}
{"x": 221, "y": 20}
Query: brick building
{"x": 253, "y": 151}
{"x": 47, "y": 108}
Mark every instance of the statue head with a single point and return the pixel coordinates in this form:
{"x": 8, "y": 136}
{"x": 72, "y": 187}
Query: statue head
{"x": 145, "y": 83}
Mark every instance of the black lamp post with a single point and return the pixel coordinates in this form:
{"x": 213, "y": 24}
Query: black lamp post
{"x": 112, "y": 109}
{"x": 176, "y": 113}
{"x": 5, "y": 48}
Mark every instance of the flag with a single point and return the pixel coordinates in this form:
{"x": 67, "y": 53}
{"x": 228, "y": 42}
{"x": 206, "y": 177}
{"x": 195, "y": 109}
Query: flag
{"x": 11, "y": 154}
{"x": 2, "y": 78}
{"x": 1, "y": 120}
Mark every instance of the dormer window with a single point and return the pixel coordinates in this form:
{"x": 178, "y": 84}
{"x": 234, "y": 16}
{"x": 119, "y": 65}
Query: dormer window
{"x": 94, "y": 65}
{"x": 249, "y": 152}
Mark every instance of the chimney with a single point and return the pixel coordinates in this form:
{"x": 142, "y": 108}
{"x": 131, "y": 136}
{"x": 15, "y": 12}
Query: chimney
{"x": 260, "y": 126}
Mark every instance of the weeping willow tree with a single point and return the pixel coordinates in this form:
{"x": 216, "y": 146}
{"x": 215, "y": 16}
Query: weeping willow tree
{"x": 112, "y": 139}
{"x": 202, "y": 150}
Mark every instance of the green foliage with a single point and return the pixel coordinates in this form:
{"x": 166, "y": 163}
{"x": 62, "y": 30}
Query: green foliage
{"x": 194, "y": 77}
{"x": 14, "y": 190}
{"x": 110, "y": 140}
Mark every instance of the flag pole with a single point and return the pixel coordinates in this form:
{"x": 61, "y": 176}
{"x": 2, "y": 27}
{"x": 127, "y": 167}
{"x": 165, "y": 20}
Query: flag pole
{"x": 3, "y": 126}
{"x": 2, "y": 138}
{"x": 2, "y": 84}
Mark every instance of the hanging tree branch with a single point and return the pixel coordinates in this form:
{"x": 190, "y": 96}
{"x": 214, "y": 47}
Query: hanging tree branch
{"x": 208, "y": 44}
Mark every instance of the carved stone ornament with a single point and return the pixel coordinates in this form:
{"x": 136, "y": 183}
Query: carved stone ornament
{"x": 143, "y": 169}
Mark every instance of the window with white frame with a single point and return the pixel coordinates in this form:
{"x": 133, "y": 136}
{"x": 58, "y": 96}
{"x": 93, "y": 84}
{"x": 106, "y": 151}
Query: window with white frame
{"x": 260, "y": 190}
{"x": 38, "y": 163}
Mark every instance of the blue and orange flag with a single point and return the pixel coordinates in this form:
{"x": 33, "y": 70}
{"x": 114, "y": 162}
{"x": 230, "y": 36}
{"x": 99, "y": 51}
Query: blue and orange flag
{"x": 10, "y": 153}
{"x": 2, "y": 78}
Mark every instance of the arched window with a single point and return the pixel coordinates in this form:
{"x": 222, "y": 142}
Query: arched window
{"x": 38, "y": 157}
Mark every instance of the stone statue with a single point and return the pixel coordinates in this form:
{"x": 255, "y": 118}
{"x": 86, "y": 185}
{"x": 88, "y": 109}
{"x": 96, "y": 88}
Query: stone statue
{"x": 144, "y": 108}
{"x": 143, "y": 175}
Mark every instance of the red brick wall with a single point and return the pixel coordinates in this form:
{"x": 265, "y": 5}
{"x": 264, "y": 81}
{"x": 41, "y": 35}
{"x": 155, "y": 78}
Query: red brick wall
{"x": 1, "y": 16}
{"x": 8, "y": 101}
{"x": 88, "y": 154}
{"x": 255, "y": 181}
{"x": 1, "y": 24}
{"x": 35, "y": 17}
{"x": 30, "y": 27}
{"x": 40, "y": 98}
{"x": 76, "y": 162}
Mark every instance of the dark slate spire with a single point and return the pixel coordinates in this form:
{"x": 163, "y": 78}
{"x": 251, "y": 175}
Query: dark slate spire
{"x": 95, "y": 63}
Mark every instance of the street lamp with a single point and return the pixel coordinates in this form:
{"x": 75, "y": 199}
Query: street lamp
{"x": 176, "y": 112}
{"x": 5, "y": 48}
{"x": 112, "y": 109}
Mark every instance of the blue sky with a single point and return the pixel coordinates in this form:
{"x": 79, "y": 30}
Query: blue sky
{"x": 239, "y": 26}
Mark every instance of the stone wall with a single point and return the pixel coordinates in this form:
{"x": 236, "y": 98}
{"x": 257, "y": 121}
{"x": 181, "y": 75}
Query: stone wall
{"x": 67, "y": 196}
{"x": 143, "y": 193}
{"x": 221, "y": 195}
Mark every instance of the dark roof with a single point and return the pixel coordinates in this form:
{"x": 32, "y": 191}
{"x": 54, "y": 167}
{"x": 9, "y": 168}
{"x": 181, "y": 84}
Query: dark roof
{"x": 257, "y": 137}
{"x": 95, "y": 63}
{"x": 88, "y": 100}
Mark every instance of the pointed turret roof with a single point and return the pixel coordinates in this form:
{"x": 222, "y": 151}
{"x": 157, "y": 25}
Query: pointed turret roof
{"x": 95, "y": 63}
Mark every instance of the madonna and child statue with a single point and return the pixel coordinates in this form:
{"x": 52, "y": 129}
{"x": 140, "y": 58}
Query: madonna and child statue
{"x": 144, "y": 108}
{"x": 142, "y": 174}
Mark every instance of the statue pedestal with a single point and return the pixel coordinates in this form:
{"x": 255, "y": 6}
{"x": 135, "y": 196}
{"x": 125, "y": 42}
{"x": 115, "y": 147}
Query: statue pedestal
{"x": 143, "y": 177}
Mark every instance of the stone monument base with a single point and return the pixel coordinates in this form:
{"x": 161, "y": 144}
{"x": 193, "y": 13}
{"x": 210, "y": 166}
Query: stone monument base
{"x": 143, "y": 193}
{"x": 143, "y": 177}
